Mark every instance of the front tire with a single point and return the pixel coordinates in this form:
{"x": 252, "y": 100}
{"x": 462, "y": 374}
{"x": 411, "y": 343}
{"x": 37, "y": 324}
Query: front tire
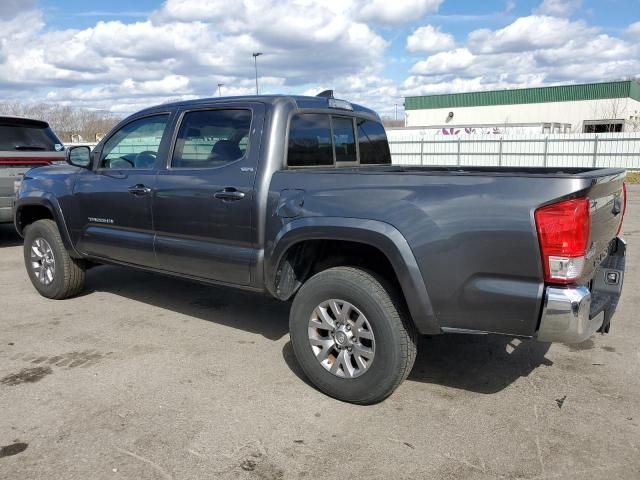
{"x": 52, "y": 271}
{"x": 351, "y": 335}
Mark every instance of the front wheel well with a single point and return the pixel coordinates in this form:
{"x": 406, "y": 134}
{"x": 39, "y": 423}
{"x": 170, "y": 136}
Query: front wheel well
{"x": 32, "y": 213}
{"x": 307, "y": 258}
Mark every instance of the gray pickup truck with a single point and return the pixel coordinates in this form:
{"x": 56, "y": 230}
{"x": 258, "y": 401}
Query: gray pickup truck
{"x": 24, "y": 144}
{"x": 297, "y": 197}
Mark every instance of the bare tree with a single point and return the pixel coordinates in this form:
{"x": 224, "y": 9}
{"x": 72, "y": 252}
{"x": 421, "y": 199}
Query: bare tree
{"x": 390, "y": 123}
{"x": 88, "y": 125}
{"x": 633, "y": 123}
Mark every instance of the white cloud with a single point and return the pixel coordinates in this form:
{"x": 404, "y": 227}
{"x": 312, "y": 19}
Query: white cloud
{"x": 528, "y": 33}
{"x": 11, "y": 8}
{"x": 558, "y": 8}
{"x": 429, "y": 39}
{"x": 531, "y": 51}
{"x": 444, "y": 63}
{"x": 394, "y": 12}
{"x": 633, "y": 30}
{"x": 185, "y": 48}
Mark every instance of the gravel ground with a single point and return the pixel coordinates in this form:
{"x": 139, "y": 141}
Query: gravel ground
{"x": 146, "y": 377}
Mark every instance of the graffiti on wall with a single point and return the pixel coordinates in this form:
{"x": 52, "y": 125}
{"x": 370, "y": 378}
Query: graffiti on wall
{"x": 470, "y": 131}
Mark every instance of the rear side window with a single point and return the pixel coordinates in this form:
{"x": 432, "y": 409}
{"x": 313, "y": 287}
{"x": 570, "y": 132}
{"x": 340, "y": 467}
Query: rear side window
{"x": 28, "y": 138}
{"x": 372, "y": 139}
{"x": 314, "y": 137}
{"x": 310, "y": 141}
{"x": 212, "y": 138}
{"x": 344, "y": 139}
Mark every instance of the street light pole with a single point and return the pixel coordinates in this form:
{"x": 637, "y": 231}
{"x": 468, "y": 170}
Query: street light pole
{"x": 255, "y": 61}
{"x": 396, "y": 112}
{"x": 220, "y": 85}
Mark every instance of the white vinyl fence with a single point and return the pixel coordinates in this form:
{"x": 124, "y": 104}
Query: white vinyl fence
{"x": 539, "y": 150}
{"x": 535, "y": 150}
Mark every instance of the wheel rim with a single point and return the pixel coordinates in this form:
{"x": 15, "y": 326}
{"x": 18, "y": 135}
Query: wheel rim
{"x": 43, "y": 262}
{"x": 341, "y": 338}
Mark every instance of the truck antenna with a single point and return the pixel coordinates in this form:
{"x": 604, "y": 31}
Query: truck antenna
{"x": 325, "y": 94}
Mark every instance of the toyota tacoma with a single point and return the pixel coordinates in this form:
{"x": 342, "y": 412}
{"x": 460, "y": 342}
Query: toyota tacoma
{"x": 297, "y": 197}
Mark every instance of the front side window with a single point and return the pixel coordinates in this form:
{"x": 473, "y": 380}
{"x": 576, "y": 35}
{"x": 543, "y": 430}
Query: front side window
{"x": 135, "y": 145}
{"x": 372, "y": 140}
{"x": 344, "y": 139}
{"x": 310, "y": 142}
{"x": 212, "y": 138}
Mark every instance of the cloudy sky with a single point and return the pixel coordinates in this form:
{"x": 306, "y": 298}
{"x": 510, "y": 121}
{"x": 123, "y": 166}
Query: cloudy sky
{"x": 123, "y": 55}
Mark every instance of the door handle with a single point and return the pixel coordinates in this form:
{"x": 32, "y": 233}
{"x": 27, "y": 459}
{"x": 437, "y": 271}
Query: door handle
{"x": 139, "y": 189}
{"x": 229, "y": 194}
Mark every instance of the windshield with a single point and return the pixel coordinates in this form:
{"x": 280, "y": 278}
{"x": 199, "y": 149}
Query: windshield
{"x": 28, "y": 138}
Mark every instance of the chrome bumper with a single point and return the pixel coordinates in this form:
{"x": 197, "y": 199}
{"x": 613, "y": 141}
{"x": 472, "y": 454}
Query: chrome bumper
{"x": 573, "y": 314}
{"x": 565, "y": 316}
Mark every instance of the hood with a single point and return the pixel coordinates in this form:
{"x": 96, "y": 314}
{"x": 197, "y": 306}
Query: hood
{"x": 49, "y": 171}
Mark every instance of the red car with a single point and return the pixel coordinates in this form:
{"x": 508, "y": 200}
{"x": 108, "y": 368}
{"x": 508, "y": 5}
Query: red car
{"x": 24, "y": 144}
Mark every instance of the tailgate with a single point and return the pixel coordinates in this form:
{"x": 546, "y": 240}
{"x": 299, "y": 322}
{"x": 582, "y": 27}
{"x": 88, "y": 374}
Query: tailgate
{"x": 579, "y": 302}
{"x": 8, "y": 176}
{"x": 607, "y": 203}
{"x": 13, "y": 165}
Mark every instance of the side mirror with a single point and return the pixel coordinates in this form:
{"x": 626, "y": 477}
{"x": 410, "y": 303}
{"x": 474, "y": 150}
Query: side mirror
{"x": 78, "y": 156}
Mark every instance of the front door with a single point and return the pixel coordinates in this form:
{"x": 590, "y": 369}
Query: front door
{"x": 204, "y": 199}
{"x": 113, "y": 201}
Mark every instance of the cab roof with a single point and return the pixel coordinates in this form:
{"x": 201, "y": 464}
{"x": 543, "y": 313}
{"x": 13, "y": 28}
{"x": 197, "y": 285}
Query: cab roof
{"x": 300, "y": 101}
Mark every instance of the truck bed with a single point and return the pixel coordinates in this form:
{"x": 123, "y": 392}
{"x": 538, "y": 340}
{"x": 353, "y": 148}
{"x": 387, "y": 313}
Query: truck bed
{"x": 471, "y": 229}
{"x": 583, "y": 172}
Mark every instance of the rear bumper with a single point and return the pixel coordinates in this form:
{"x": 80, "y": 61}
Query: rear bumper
{"x": 6, "y": 209}
{"x": 573, "y": 314}
{"x": 565, "y": 317}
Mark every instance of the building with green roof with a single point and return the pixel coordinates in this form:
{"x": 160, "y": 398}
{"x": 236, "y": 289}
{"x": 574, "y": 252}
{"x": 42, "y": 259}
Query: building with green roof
{"x": 593, "y": 107}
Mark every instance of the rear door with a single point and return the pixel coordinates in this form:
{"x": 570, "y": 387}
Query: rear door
{"x": 112, "y": 215}
{"x": 204, "y": 199}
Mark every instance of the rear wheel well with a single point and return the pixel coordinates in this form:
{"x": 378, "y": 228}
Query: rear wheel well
{"x": 32, "y": 213}
{"x": 305, "y": 259}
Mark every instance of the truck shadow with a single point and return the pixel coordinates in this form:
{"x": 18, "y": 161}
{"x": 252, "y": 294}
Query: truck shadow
{"x": 8, "y": 236}
{"x": 252, "y": 312}
{"x": 476, "y": 363}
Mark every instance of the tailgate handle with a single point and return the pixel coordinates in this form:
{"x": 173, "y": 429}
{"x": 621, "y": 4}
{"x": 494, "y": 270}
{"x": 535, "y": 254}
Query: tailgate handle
{"x": 617, "y": 205}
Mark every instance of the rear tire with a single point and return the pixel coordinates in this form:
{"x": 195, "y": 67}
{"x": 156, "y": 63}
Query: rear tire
{"x": 361, "y": 369}
{"x": 52, "y": 271}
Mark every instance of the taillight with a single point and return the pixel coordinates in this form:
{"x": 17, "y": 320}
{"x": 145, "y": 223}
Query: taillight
{"x": 563, "y": 233}
{"x": 624, "y": 206}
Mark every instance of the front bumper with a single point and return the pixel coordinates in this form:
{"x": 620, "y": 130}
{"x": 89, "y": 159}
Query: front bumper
{"x": 573, "y": 314}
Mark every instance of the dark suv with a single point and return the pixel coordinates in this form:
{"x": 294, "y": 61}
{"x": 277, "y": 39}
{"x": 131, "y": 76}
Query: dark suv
{"x": 24, "y": 144}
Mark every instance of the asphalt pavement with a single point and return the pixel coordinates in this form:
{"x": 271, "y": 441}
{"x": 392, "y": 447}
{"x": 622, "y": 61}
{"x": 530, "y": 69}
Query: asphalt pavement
{"x": 149, "y": 377}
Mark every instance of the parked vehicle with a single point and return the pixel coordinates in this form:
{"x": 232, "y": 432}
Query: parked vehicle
{"x": 296, "y": 196}
{"x": 24, "y": 144}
